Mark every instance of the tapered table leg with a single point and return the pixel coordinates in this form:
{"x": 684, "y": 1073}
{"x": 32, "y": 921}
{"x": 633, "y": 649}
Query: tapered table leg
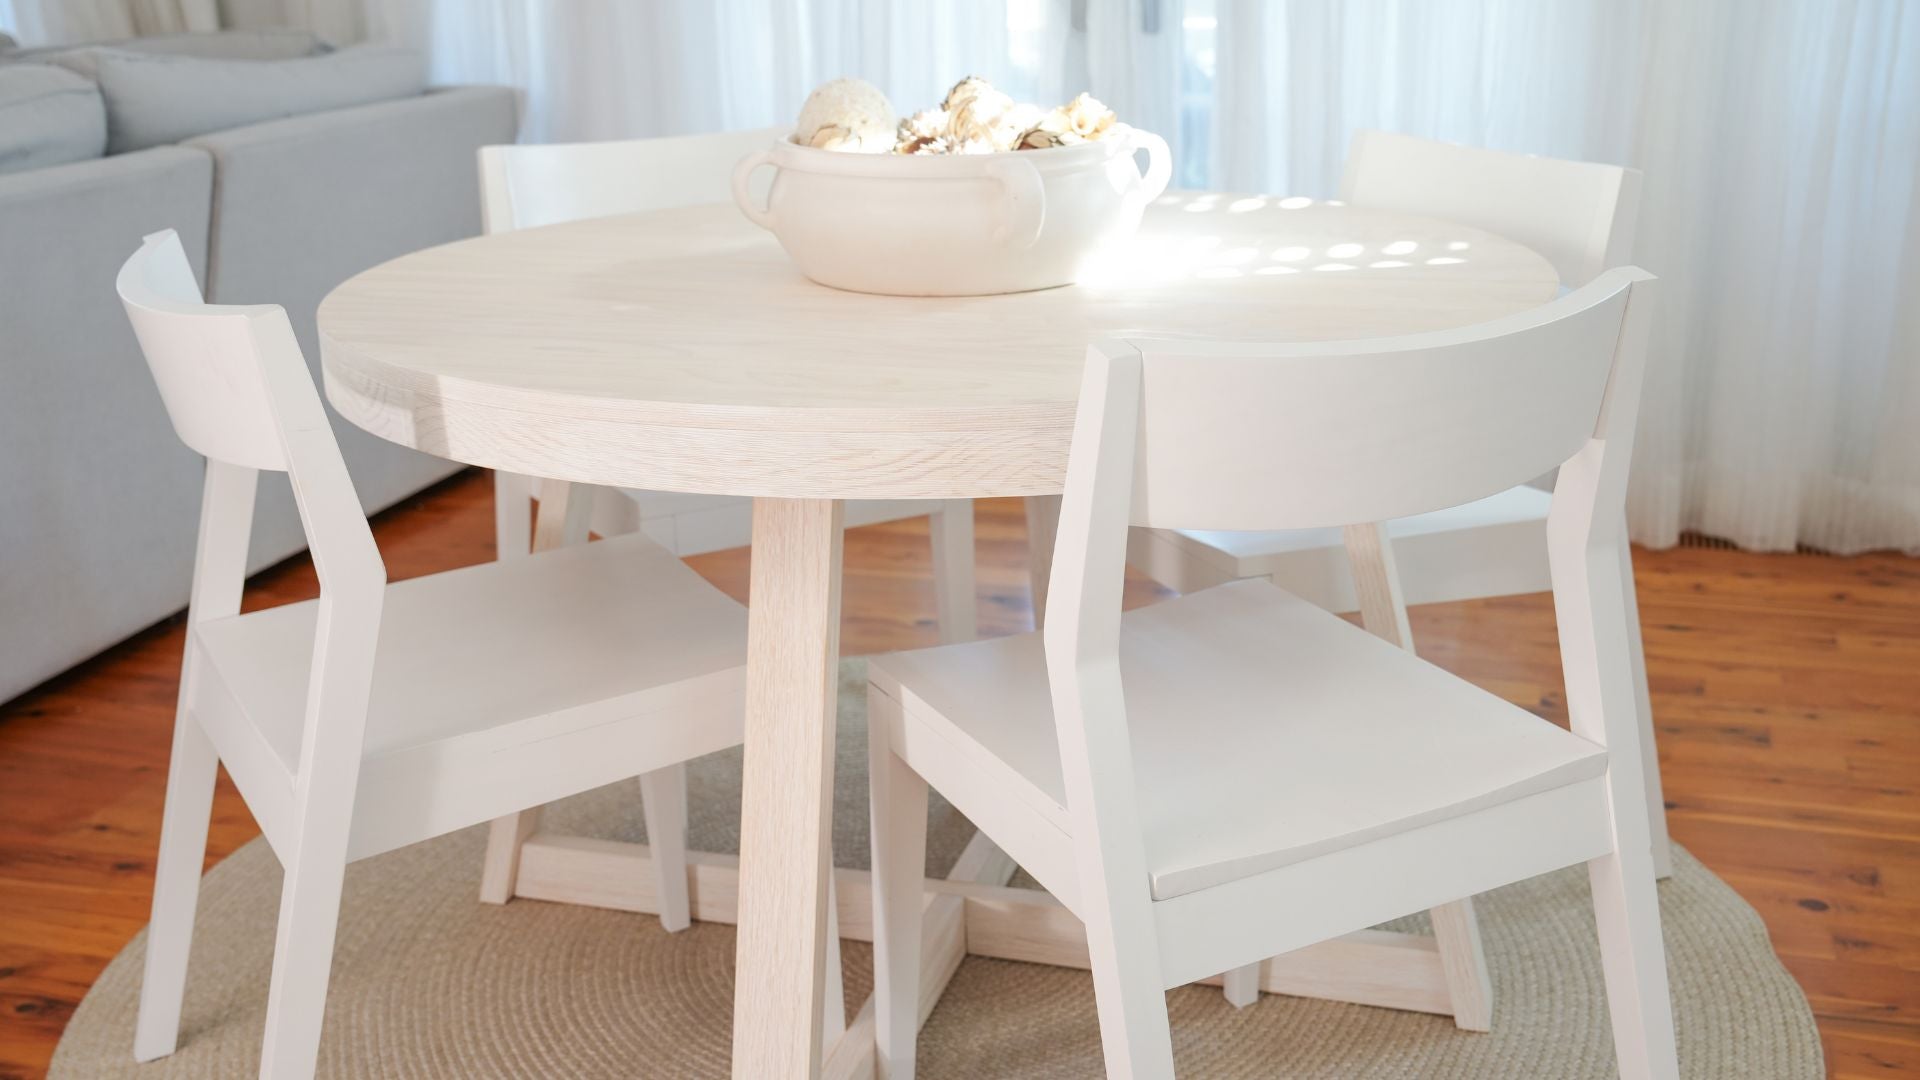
{"x": 1043, "y": 526}
{"x": 793, "y": 646}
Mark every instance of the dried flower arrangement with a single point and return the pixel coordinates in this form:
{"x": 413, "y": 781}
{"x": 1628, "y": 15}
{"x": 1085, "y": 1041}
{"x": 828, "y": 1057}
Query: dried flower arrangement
{"x": 853, "y": 116}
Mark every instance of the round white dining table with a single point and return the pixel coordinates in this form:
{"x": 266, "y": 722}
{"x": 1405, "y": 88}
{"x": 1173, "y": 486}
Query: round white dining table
{"x": 681, "y": 351}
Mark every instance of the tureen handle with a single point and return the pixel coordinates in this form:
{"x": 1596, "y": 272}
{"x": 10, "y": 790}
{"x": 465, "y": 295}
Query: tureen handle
{"x": 1023, "y": 200}
{"x": 742, "y": 197}
{"x": 1159, "y": 165}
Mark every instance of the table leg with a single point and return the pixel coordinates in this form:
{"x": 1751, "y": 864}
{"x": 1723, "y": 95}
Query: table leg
{"x": 565, "y": 510}
{"x": 793, "y": 646}
{"x": 1043, "y": 527}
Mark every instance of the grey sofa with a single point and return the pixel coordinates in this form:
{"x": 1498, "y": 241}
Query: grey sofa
{"x": 98, "y": 498}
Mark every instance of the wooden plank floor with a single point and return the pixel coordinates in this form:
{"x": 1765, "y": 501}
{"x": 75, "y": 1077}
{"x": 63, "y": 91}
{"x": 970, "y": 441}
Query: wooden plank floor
{"x": 1787, "y": 690}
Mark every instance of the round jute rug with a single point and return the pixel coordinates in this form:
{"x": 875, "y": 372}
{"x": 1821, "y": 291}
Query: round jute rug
{"x": 429, "y": 982}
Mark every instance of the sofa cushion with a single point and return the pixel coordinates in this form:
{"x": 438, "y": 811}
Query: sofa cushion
{"x": 153, "y": 99}
{"x": 48, "y": 116}
{"x": 277, "y": 44}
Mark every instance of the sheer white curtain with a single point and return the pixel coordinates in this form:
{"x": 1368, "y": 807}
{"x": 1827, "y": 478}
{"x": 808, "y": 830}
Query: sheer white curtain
{"x": 1295, "y": 80}
{"x": 66, "y": 22}
{"x": 1780, "y": 142}
{"x": 601, "y": 69}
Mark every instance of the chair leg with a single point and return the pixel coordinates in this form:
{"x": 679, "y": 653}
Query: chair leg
{"x": 1242, "y": 985}
{"x": 1383, "y": 611}
{"x": 501, "y": 866}
{"x": 512, "y": 514}
{"x": 303, "y": 952}
{"x": 833, "y": 994}
{"x": 663, "y": 799}
{"x": 951, "y": 528}
{"x": 1464, "y": 963}
{"x": 1043, "y": 526}
{"x": 1135, "y": 1034}
{"x": 1627, "y": 909}
{"x": 1643, "y": 701}
{"x": 1590, "y": 605}
{"x": 566, "y": 511}
{"x": 176, "y": 888}
{"x": 899, "y": 822}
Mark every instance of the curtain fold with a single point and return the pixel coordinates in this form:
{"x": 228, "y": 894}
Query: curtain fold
{"x": 74, "y": 22}
{"x": 1780, "y": 144}
{"x": 339, "y": 22}
{"x": 607, "y": 69}
{"x": 1296, "y": 80}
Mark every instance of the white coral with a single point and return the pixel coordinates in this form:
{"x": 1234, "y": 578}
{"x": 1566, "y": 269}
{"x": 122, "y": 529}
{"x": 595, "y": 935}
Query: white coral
{"x": 1087, "y": 117}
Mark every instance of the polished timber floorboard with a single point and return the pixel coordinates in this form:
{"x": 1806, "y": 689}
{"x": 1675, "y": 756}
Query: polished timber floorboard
{"x": 1786, "y": 687}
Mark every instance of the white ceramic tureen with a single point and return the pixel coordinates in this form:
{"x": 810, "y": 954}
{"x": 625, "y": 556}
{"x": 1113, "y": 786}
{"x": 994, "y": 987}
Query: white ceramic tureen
{"x": 954, "y": 224}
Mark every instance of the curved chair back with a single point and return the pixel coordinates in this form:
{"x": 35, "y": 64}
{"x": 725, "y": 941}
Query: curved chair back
{"x": 526, "y": 186}
{"x": 203, "y": 357}
{"x": 238, "y": 392}
{"x": 1340, "y": 433}
{"x": 1580, "y": 215}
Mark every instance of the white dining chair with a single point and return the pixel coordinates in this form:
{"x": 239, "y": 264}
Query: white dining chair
{"x": 380, "y": 715}
{"x": 528, "y": 186}
{"x": 1237, "y": 773}
{"x": 1581, "y": 216}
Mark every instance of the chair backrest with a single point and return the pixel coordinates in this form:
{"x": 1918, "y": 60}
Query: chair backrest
{"x": 1578, "y": 214}
{"x": 238, "y": 392}
{"x": 202, "y": 357}
{"x": 526, "y": 186}
{"x": 1238, "y": 436}
{"x": 1191, "y": 435}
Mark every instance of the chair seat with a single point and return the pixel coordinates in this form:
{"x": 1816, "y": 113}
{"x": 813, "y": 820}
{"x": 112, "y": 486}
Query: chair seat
{"x": 1265, "y": 731}
{"x": 1496, "y": 546}
{"x": 498, "y": 652}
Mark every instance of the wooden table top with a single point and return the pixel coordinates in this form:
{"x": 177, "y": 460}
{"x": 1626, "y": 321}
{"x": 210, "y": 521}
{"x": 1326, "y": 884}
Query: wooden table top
{"x": 681, "y": 350}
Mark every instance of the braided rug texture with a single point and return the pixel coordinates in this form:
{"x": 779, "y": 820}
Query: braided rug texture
{"x": 429, "y": 982}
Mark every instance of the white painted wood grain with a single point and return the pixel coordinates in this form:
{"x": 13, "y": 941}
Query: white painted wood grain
{"x": 1367, "y": 967}
{"x": 787, "y": 779}
{"x": 679, "y": 350}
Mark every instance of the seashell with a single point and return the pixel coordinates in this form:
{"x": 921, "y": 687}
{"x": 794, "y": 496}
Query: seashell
{"x": 974, "y": 118}
{"x": 849, "y": 115}
{"x": 965, "y": 88}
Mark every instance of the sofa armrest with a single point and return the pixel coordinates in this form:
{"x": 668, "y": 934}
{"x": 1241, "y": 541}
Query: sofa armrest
{"x": 99, "y": 186}
{"x": 99, "y": 496}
